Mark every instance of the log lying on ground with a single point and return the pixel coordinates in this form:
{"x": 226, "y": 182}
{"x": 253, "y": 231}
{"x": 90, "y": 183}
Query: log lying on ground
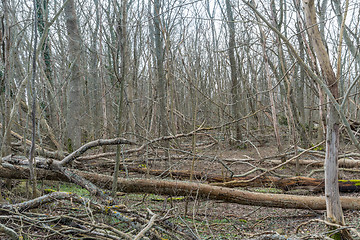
{"x": 181, "y": 174}
{"x": 178, "y": 188}
{"x": 315, "y": 185}
{"x": 343, "y": 163}
{"x": 312, "y": 184}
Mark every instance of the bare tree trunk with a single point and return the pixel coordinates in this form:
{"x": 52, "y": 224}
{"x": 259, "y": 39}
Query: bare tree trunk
{"x": 94, "y": 83}
{"x": 235, "y": 98}
{"x": 42, "y": 19}
{"x": 104, "y": 108}
{"x": 159, "y": 51}
{"x": 5, "y": 83}
{"x": 123, "y": 44}
{"x": 161, "y": 83}
{"x": 300, "y": 84}
{"x": 332, "y": 196}
{"x": 33, "y": 113}
{"x": 270, "y": 88}
{"x": 322, "y": 114}
{"x": 75, "y": 98}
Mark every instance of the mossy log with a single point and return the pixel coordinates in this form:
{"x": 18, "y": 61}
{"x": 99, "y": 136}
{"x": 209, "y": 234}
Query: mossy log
{"x": 181, "y": 188}
{"x": 313, "y": 184}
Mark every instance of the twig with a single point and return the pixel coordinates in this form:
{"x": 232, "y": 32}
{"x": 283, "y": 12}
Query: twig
{"x": 92, "y": 188}
{"x": 225, "y": 166}
{"x": 284, "y": 163}
{"x": 337, "y": 226}
{"x": 8, "y": 231}
{"x": 340, "y": 169}
{"x": 146, "y": 228}
{"x": 87, "y": 146}
{"x": 36, "y": 202}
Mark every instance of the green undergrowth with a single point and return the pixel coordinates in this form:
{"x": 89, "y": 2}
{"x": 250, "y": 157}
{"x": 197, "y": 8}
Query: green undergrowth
{"x": 65, "y": 187}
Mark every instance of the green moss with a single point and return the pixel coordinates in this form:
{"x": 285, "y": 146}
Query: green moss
{"x": 20, "y": 188}
{"x": 69, "y": 145}
{"x": 175, "y": 199}
{"x": 356, "y": 182}
{"x": 223, "y": 220}
{"x": 283, "y": 120}
{"x": 267, "y": 190}
{"x": 318, "y": 148}
{"x": 49, "y": 190}
{"x": 68, "y": 187}
{"x": 336, "y": 236}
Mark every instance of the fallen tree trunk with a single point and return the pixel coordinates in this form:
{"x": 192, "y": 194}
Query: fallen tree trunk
{"x": 176, "y": 188}
{"x": 315, "y": 185}
{"x": 343, "y": 163}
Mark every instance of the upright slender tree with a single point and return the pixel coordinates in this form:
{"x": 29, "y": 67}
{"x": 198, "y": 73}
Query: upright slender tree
{"x": 4, "y": 80}
{"x": 32, "y": 162}
{"x": 333, "y": 205}
{"x": 94, "y": 83}
{"x": 235, "y": 84}
{"x": 75, "y": 99}
{"x": 123, "y": 45}
{"x": 161, "y": 83}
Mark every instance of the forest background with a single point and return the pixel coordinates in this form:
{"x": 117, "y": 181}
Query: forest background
{"x": 173, "y": 78}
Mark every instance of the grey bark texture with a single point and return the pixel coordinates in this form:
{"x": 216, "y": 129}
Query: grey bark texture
{"x": 75, "y": 98}
{"x": 235, "y": 87}
{"x": 333, "y": 205}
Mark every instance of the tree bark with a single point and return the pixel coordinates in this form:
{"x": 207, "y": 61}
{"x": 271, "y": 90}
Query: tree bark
{"x": 4, "y": 80}
{"x": 33, "y": 111}
{"x": 159, "y": 51}
{"x": 235, "y": 98}
{"x": 161, "y": 83}
{"x": 312, "y": 184}
{"x": 123, "y": 45}
{"x": 94, "y": 83}
{"x": 270, "y": 89}
{"x": 343, "y": 162}
{"x": 333, "y": 204}
{"x": 75, "y": 100}
{"x": 176, "y": 188}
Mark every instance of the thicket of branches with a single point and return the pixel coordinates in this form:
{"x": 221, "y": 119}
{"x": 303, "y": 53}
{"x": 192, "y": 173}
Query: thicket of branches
{"x": 196, "y": 72}
{"x": 154, "y": 72}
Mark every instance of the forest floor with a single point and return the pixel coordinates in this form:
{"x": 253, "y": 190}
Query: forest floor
{"x": 210, "y": 219}
{"x": 218, "y": 220}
